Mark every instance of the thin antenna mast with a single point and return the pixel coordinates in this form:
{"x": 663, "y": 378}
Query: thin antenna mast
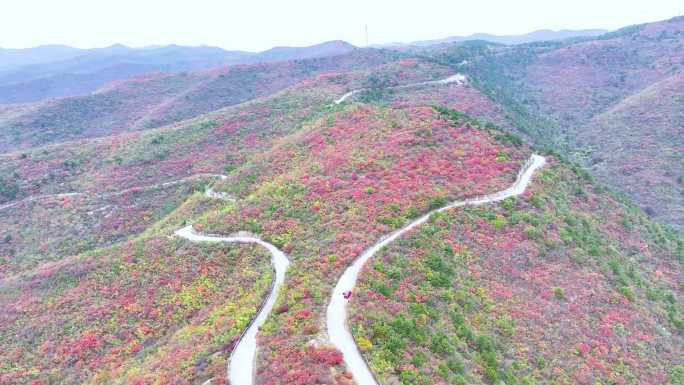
{"x": 366, "y": 35}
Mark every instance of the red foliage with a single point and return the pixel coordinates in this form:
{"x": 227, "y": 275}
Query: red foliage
{"x": 87, "y": 342}
{"x": 328, "y": 356}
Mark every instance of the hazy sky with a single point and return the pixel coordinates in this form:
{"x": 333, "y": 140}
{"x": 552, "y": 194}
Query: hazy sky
{"x": 261, "y": 24}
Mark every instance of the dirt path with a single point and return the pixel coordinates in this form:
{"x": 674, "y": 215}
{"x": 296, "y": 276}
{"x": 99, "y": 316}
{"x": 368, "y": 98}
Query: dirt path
{"x": 209, "y": 193}
{"x": 336, "y": 317}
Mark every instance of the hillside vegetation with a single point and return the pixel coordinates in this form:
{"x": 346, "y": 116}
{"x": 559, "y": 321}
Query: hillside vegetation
{"x": 152, "y": 309}
{"x": 369, "y": 185}
{"x": 323, "y": 198}
{"x": 566, "y": 285}
{"x": 48, "y": 229}
{"x": 155, "y": 100}
{"x": 596, "y": 100}
{"x": 569, "y": 283}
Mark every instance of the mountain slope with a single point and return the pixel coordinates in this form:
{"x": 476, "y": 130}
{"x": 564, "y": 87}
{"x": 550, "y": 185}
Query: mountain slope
{"x": 557, "y": 92}
{"x": 650, "y": 124}
{"x": 565, "y": 284}
{"x": 154, "y": 308}
{"x": 157, "y": 100}
{"x": 73, "y": 196}
{"x": 321, "y": 196}
{"x": 114, "y": 176}
{"x": 409, "y": 145}
{"x": 301, "y": 193}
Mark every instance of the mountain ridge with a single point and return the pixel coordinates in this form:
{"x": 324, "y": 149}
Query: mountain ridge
{"x": 534, "y": 36}
{"x": 89, "y": 69}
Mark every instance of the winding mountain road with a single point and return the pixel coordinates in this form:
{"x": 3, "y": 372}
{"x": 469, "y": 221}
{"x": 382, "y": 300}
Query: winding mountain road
{"x": 241, "y": 367}
{"x": 336, "y": 316}
{"x": 457, "y": 78}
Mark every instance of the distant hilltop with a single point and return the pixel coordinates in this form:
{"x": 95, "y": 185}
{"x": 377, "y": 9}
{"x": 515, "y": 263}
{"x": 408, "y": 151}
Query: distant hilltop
{"x": 539, "y": 35}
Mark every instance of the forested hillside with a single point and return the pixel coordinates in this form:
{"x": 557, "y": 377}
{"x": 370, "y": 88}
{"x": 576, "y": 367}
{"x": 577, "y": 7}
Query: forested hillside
{"x": 472, "y": 213}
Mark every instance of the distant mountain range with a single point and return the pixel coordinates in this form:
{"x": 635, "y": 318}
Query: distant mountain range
{"x": 28, "y": 75}
{"x": 330, "y": 48}
{"x": 14, "y": 58}
{"x": 55, "y": 71}
{"x": 540, "y": 35}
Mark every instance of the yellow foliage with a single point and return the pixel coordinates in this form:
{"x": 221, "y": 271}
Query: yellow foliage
{"x": 364, "y": 344}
